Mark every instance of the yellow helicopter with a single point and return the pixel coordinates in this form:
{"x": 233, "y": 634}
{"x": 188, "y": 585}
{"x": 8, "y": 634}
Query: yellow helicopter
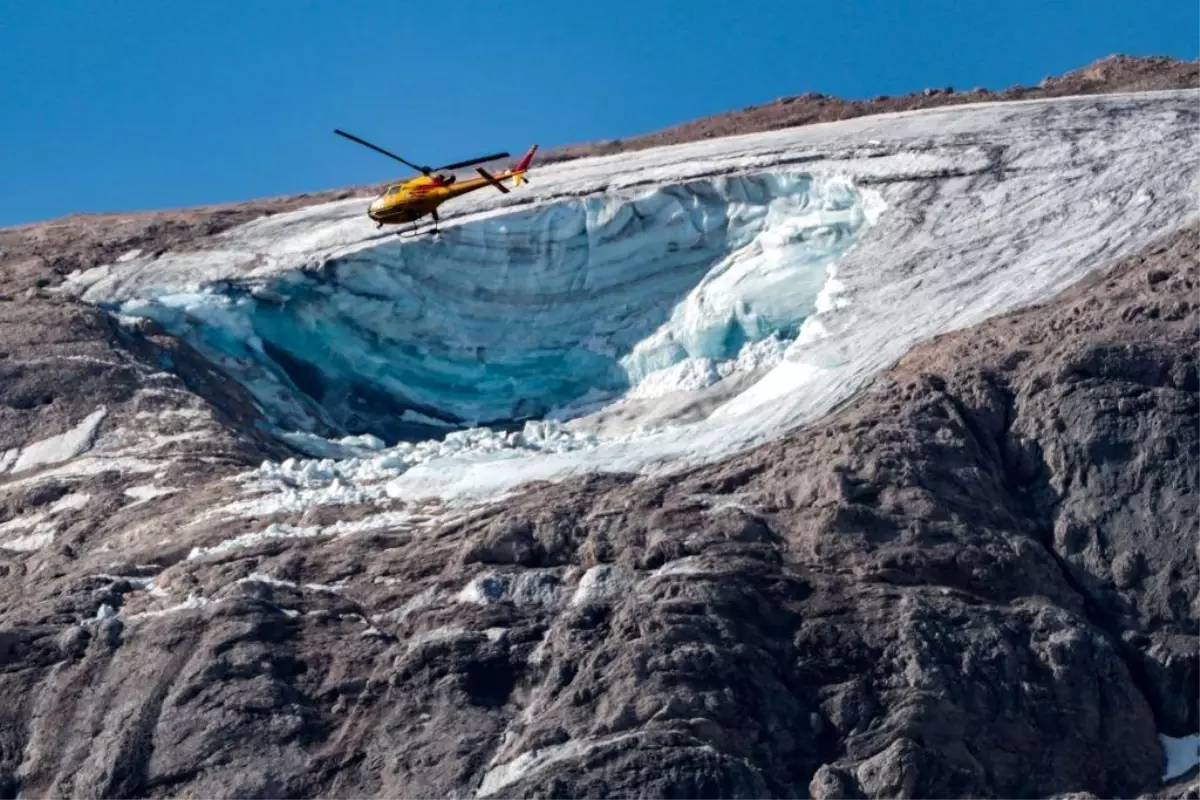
{"x": 412, "y": 199}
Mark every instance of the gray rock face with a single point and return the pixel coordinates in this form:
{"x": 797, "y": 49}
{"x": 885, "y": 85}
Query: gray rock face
{"x": 977, "y": 579}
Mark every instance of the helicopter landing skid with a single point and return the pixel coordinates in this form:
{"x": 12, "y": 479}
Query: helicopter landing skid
{"x": 416, "y": 232}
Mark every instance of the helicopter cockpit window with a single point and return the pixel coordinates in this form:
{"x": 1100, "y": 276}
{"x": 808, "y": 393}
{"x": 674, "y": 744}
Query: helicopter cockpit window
{"x": 393, "y": 190}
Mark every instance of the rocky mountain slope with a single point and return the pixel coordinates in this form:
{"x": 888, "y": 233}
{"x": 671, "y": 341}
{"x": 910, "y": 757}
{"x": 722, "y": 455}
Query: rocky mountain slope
{"x": 978, "y": 578}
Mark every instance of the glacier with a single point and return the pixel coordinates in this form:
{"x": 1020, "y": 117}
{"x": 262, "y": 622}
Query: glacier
{"x": 661, "y": 308}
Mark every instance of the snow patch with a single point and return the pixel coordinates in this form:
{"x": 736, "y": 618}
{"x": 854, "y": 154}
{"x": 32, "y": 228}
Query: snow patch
{"x": 42, "y": 524}
{"x": 688, "y": 565}
{"x": 272, "y": 532}
{"x": 63, "y": 446}
{"x": 30, "y": 543}
{"x": 262, "y": 577}
{"x": 86, "y": 466}
{"x": 529, "y": 587}
{"x": 380, "y": 521}
{"x": 70, "y": 502}
{"x": 22, "y": 522}
{"x": 602, "y": 583}
{"x": 533, "y": 761}
{"x": 426, "y": 598}
{"x": 443, "y": 634}
{"x": 192, "y": 603}
{"x": 147, "y": 492}
{"x": 270, "y": 580}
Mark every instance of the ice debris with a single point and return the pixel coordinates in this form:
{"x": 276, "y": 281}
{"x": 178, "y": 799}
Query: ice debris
{"x": 298, "y": 484}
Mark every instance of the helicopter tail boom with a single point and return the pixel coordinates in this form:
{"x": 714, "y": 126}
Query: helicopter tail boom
{"x": 518, "y": 172}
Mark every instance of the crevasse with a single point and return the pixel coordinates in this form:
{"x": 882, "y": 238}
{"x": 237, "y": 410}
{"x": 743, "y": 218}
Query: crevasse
{"x": 512, "y": 317}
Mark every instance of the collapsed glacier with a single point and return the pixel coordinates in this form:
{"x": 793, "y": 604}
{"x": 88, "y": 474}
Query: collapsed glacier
{"x": 511, "y": 318}
{"x": 760, "y": 279}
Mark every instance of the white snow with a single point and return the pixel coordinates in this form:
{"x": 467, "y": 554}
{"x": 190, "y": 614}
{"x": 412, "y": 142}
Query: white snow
{"x": 688, "y": 565}
{"x": 146, "y": 444}
{"x": 603, "y": 582}
{"x": 30, "y": 543}
{"x": 193, "y": 602}
{"x": 442, "y": 634}
{"x": 43, "y": 525}
{"x": 529, "y": 587}
{"x": 534, "y": 761}
{"x": 273, "y": 531}
{"x": 283, "y": 530}
{"x": 23, "y": 522}
{"x": 271, "y": 580}
{"x": 146, "y": 492}
{"x": 85, "y": 466}
{"x": 167, "y": 413}
{"x": 689, "y": 375}
{"x": 802, "y": 261}
{"x": 62, "y": 447}
{"x": 320, "y": 447}
{"x": 426, "y": 598}
{"x": 1182, "y": 754}
{"x": 70, "y": 502}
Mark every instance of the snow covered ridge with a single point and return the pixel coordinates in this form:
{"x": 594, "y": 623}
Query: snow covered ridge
{"x": 803, "y": 260}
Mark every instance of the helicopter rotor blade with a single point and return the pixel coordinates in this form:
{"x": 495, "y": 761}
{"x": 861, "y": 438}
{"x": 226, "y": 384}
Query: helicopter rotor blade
{"x": 364, "y": 143}
{"x": 490, "y": 178}
{"x": 472, "y": 162}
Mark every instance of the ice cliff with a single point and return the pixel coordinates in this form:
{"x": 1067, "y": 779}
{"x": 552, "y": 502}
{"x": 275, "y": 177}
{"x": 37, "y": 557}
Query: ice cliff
{"x": 512, "y": 317}
{"x": 674, "y": 304}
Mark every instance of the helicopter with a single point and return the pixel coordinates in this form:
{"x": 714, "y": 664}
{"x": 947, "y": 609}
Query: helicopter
{"x": 414, "y": 198}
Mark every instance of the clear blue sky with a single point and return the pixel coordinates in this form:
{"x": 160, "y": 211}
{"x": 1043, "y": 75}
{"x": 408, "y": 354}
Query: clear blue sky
{"x": 135, "y": 104}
